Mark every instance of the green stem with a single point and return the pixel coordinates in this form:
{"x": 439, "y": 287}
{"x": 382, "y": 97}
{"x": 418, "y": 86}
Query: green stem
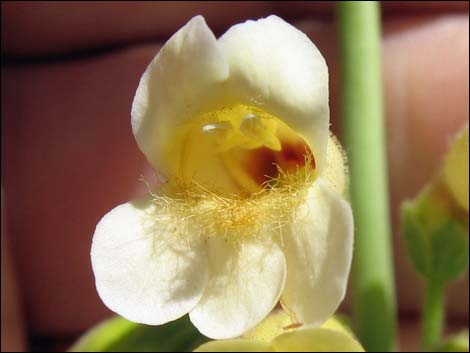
{"x": 373, "y": 299}
{"x": 433, "y": 314}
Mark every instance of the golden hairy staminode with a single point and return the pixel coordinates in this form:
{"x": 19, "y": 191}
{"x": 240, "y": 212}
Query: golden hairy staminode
{"x": 203, "y": 212}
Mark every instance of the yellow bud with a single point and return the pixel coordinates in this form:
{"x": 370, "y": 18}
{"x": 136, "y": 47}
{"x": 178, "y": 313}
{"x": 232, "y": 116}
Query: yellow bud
{"x": 278, "y": 333}
{"x": 455, "y": 170}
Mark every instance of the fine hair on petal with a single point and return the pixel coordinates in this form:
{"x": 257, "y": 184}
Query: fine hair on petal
{"x": 193, "y": 210}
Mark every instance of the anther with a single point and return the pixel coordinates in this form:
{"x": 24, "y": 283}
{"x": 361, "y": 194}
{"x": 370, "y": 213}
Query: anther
{"x": 250, "y": 122}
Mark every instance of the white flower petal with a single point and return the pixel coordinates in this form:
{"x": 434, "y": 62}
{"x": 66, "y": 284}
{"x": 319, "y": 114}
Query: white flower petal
{"x": 246, "y": 281}
{"x": 318, "y": 253}
{"x": 180, "y": 82}
{"x": 277, "y": 67}
{"x": 144, "y": 271}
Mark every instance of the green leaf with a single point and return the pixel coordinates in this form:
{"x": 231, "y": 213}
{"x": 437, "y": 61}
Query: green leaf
{"x": 436, "y": 235}
{"x": 119, "y": 335}
{"x": 416, "y": 240}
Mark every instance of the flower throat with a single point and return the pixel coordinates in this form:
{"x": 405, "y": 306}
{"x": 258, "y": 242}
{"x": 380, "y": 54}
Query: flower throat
{"x": 238, "y": 150}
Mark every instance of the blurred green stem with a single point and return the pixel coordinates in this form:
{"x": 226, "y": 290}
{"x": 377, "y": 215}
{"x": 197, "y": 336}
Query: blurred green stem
{"x": 433, "y": 314}
{"x": 373, "y": 299}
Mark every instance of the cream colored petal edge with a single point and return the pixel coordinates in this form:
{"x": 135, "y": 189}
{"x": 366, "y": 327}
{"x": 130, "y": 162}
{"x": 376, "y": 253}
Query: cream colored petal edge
{"x": 245, "y": 283}
{"x": 182, "y": 80}
{"x": 234, "y": 345}
{"x": 336, "y": 170}
{"x": 315, "y": 340}
{"x": 144, "y": 270}
{"x": 319, "y": 253}
{"x": 275, "y": 66}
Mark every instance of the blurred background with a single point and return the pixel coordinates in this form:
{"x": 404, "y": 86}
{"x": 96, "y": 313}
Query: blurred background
{"x": 68, "y": 76}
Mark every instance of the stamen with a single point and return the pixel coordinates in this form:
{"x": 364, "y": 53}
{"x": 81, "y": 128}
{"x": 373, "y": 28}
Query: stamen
{"x": 250, "y": 123}
{"x": 257, "y": 129}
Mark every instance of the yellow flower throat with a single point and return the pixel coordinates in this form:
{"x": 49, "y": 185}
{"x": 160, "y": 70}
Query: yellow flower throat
{"x": 236, "y": 172}
{"x": 237, "y": 150}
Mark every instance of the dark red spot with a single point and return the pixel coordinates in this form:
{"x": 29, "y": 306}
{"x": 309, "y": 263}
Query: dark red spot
{"x": 264, "y": 163}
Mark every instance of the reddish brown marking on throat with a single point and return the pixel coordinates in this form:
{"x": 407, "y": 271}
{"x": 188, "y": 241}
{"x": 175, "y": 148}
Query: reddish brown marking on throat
{"x": 262, "y": 165}
{"x": 263, "y": 162}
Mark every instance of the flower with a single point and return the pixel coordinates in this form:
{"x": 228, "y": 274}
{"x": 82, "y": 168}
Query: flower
{"x": 252, "y": 211}
{"x": 277, "y": 334}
